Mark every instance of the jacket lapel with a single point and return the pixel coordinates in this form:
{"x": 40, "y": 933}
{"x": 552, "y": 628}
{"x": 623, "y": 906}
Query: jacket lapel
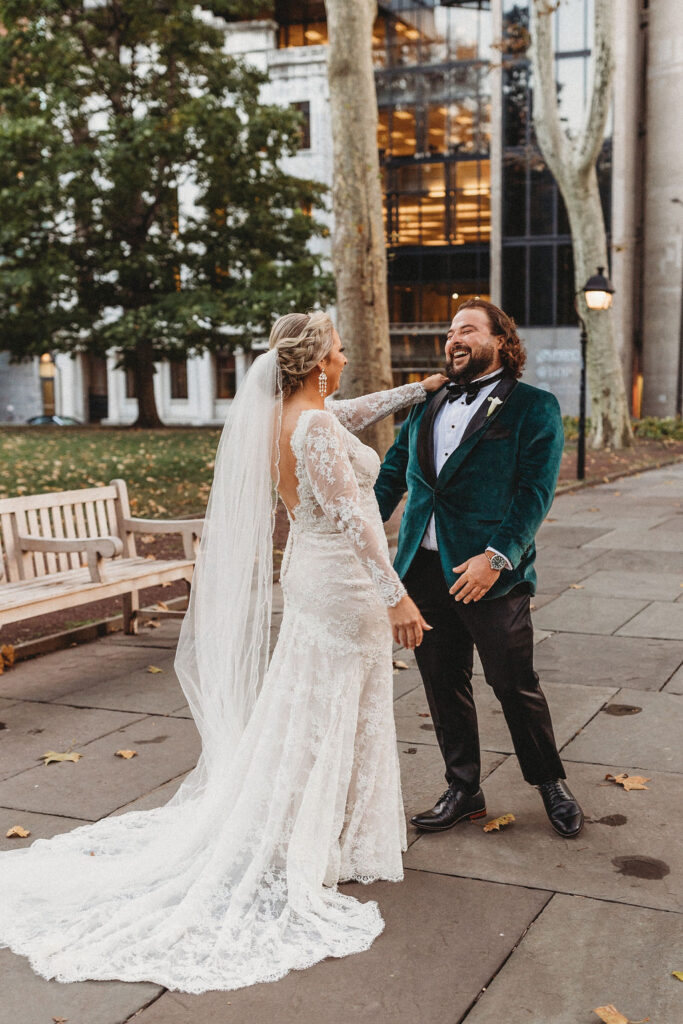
{"x": 478, "y": 426}
{"x": 425, "y": 445}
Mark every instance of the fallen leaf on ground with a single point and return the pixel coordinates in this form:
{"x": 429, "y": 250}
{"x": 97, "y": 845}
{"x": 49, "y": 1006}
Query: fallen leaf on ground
{"x": 423, "y": 714}
{"x": 7, "y": 655}
{"x": 400, "y": 664}
{"x": 576, "y": 586}
{"x": 54, "y": 755}
{"x": 410, "y": 750}
{"x": 153, "y": 669}
{"x": 610, "y": 1015}
{"x": 166, "y": 584}
{"x": 162, "y": 606}
{"x": 60, "y": 1020}
{"x": 127, "y": 754}
{"x": 152, "y": 623}
{"x": 629, "y": 781}
{"x": 151, "y": 558}
{"x": 19, "y": 831}
{"x": 678, "y": 974}
{"x": 497, "y": 823}
{"x": 146, "y": 538}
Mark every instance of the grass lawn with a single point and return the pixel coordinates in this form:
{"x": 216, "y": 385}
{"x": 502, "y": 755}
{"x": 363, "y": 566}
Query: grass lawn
{"x": 168, "y": 471}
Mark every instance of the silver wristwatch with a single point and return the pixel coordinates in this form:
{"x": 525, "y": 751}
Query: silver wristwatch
{"x": 496, "y": 561}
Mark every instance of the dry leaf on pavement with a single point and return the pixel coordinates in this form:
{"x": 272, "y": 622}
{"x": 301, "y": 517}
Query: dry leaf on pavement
{"x": 60, "y": 1020}
{"x": 54, "y": 755}
{"x": 678, "y": 974}
{"x": 629, "y": 781}
{"x": 152, "y": 623}
{"x": 497, "y": 823}
{"x": 400, "y": 664}
{"x": 610, "y": 1015}
{"x": 18, "y": 831}
{"x": 153, "y": 669}
{"x": 576, "y": 586}
{"x": 7, "y": 655}
{"x": 127, "y": 754}
{"x": 162, "y": 606}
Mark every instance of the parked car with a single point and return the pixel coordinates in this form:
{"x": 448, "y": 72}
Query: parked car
{"x": 54, "y": 421}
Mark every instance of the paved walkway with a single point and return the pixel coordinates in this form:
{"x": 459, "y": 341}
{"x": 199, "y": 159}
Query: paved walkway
{"x": 517, "y": 927}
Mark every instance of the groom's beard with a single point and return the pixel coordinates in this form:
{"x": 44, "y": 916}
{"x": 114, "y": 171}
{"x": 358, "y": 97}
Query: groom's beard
{"x": 475, "y": 366}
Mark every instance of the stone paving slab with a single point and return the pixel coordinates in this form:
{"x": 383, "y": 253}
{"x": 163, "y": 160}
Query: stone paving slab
{"x": 571, "y": 707}
{"x": 41, "y": 826}
{"x": 649, "y": 739}
{"x": 582, "y": 953}
{"x": 575, "y": 612}
{"x": 29, "y": 999}
{"x": 565, "y": 558}
{"x": 156, "y": 797}
{"x": 629, "y": 836}
{"x": 674, "y": 524}
{"x": 138, "y": 690}
{"x": 658, "y": 620}
{"x": 650, "y": 586}
{"x": 629, "y": 560}
{"x": 165, "y": 635}
{"x": 675, "y": 684}
{"x": 554, "y": 579}
{"x": 421, "y": 968}
{"x": 101, "y": 782}
{"x": 607, "y": 660}
{"x": 32, "y": 728}
{"x": 558, "y": 535}
{"x": 52, "y": 676}
{"x": 633, "y": 537}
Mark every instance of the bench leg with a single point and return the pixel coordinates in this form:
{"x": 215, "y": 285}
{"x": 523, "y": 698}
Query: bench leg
{"x": 131, "y": 607}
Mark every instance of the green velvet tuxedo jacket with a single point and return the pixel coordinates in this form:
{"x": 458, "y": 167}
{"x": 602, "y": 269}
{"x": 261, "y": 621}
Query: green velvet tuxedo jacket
{"x": 494, "y": 490}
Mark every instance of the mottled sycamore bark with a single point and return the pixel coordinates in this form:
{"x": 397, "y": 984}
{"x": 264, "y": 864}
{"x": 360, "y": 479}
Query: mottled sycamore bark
{"x": 572, "y": 162}
{"x": 358, "y": 247}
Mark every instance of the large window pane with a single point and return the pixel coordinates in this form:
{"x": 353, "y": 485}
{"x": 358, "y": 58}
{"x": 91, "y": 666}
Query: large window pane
{"x": 541, "y": 284}
{"x": 514, "y": 196}
{"x": 514, "y": 282}
{"x": 566, "y": 314}
{"x": 542, "y": 200}
{"x": 516, "y": 101}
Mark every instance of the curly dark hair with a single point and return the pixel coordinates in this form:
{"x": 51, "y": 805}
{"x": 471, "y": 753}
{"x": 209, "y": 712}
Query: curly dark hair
{"x": 512, "y": 353}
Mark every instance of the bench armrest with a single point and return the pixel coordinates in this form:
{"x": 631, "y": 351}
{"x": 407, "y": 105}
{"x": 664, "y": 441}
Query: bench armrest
{"x": 189, "y": 529}
{"x": 96, "y": 548}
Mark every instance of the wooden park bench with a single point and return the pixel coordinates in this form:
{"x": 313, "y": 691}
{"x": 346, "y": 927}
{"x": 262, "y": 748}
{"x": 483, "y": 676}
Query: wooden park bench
{"x": 72, "y": 547}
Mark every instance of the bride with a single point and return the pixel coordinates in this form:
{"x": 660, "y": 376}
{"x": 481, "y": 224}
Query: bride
{"x": 234, "y": 880}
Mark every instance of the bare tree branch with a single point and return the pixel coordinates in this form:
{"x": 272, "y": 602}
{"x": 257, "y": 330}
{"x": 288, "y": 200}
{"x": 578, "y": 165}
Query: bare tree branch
{"x": 603, "y": 68}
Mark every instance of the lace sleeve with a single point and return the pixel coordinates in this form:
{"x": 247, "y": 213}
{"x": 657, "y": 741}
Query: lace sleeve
{"x": 358, "y": 413}
{"x": 336, "y": 490}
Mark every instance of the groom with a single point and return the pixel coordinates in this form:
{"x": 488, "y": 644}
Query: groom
{"x": 480, "y": 461}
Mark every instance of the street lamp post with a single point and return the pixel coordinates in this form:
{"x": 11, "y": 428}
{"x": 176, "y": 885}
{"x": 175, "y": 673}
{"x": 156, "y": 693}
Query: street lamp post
{"x": 597, "y": 292}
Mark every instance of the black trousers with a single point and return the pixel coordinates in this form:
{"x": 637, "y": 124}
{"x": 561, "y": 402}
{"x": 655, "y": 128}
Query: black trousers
{"x": 502, "y": 632}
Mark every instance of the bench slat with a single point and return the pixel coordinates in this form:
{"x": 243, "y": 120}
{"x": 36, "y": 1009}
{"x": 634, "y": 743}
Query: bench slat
{"x": 26, "y": 501}
{"x": 81, "y": 528}
{"x": 89, "y": 507}
{"x": 58, "y": 531}
{"x": 46, "y": 531}
{"x": 70, "y": 526}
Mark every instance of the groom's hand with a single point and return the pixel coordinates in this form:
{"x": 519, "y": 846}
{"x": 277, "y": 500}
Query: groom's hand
{"x": 477, "y": 579}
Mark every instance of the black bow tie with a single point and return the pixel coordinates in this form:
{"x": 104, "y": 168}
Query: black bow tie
{"x": 471, "y": 390}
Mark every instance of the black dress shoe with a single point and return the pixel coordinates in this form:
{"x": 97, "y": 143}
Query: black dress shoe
{"x": 564, "y": 812}
{"x": 451, "y": 807}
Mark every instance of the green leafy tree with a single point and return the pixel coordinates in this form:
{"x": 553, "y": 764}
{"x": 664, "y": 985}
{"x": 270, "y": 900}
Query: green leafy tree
{"x": 143, "y": 207}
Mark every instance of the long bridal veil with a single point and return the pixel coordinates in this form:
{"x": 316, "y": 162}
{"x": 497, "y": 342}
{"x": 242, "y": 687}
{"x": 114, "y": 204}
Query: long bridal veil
{"x": 144, "y": 895}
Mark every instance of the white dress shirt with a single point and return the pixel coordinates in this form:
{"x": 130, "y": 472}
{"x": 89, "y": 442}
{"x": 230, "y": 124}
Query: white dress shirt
{"x": 448, "y": 428}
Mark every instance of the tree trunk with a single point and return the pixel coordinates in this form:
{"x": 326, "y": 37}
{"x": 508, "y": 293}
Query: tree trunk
{"x": 572, "y": 162}
{"x": 610, "y": 419}
{"x": 358, "y": 247}
{"x": 144, "y": 371}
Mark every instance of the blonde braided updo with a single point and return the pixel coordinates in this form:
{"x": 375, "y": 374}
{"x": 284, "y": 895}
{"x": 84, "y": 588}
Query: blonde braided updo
{"x": 301, "y": 340}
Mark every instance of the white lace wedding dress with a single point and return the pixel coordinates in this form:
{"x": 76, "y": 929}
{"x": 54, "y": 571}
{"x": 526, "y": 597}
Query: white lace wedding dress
{"x": 238, "y": 884}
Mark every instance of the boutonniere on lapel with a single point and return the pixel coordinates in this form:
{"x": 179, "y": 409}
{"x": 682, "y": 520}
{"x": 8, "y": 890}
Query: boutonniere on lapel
{"x": 493, "y": 405}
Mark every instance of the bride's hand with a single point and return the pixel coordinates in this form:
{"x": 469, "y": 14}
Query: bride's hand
{"x": 433, "y": 383}
{"x": 407, "y": 623}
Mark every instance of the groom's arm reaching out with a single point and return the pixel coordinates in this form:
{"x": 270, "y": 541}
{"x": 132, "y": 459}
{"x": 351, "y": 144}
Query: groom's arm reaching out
{"x": 391, "y": 483}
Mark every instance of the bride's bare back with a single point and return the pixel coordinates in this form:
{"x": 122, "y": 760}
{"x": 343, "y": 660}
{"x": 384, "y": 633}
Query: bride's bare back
{"x": 288, "y": 482}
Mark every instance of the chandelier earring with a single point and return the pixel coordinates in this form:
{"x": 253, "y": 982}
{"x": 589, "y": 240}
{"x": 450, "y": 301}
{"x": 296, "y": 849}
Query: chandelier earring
{"x": 322, "y": 383}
